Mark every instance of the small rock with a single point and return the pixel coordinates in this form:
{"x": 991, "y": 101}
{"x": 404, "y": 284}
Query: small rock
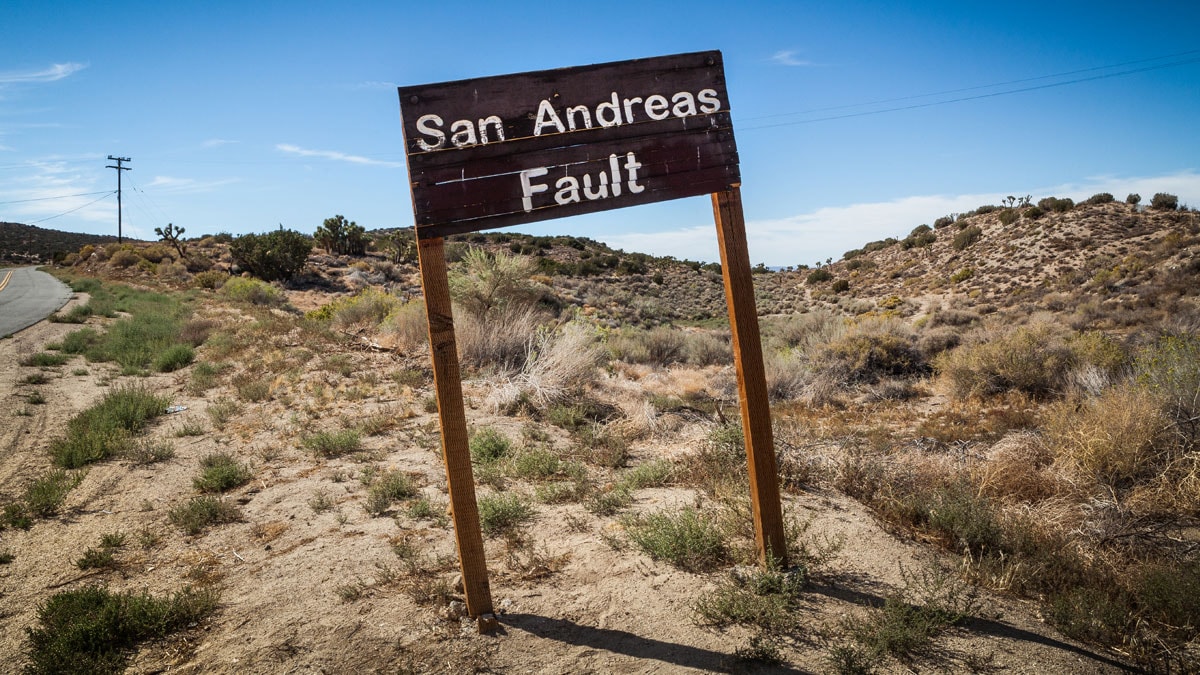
{"x": 455, "y": 610}
{"x": 456, "y": 582}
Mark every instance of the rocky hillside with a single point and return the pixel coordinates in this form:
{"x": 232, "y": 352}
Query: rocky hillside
{"x": 28, "y": 244}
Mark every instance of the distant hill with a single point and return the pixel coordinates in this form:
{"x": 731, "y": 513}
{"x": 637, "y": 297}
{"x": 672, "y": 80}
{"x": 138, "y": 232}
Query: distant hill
{"x": 34, "y": 245}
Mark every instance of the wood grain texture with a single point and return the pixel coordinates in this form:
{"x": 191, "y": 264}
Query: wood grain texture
{"x": 681, "y": 151}
{"x": 752, "y": 381}
{"x": 455, "y": 453}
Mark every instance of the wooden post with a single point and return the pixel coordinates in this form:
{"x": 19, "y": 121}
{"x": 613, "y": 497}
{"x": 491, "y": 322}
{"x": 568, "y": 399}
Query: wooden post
{"x": 448, "y": 382}
{"x": 752, "y": 380}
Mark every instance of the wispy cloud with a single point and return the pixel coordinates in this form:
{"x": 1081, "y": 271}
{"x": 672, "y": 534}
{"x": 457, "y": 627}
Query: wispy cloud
{"x": 787, "y": 57}
{"x": 831, "y": 231}
{"x": 62, "y": 191}
{"x": 216, "y": 142}
{"x": 162, "y": 184}
{"x": 374, "y": 84}
{"x": 53, "y": 73}
{"x": 337, "y": 156}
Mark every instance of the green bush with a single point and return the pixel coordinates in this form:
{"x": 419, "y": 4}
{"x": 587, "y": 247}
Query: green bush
{"x": 1034, "y": 212}
{"x": 840, "y": 286}
{"x": 687, "y": 538}
{"x": 333, "y": 443}
{"x": 488, "y": 445}
{"x": 1164, "y": 202}
{"x": 44, "y": 360}
{"x": 93, "y": 630}
{"x": 46, "y": 494}
{"x": 252, "y": 291}
{"x": 1133, "y": 199}
{"x": 388, "y": 487}
{"x": 221, "y": 472}
{"x": 1009, "y": 216}
{"x": 1100, "y": 198}
{"x": 818, "y": 275}
{"x": 210, "y": 279}
{"x": 104, "y": 429}
{"x": 966, "y": 236}
{"x": 502, "y": 513}
{"x": 341, "y": 237}
{"x": 197, "y": 514}
{"x": 1056, "y": 205}
{"x": 944, "y": 221}
{"x": 277, "y": 255}
{"x": 175, "y": 357}
{"x": 1031, "y": 359}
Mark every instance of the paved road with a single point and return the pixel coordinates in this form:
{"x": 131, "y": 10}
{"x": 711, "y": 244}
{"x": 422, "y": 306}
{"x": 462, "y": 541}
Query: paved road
{"x": 28, "y": 295}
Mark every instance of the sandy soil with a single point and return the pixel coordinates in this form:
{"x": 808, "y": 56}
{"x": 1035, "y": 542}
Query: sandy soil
{"x": 308, "y": 591}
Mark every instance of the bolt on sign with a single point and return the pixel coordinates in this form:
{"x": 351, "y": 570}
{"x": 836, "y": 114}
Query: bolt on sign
{"x": 497, "y": 151}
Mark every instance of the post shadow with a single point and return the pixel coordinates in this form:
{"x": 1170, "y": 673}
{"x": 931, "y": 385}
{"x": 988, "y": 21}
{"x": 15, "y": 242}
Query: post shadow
{"x": 980, "y": 625}
{"x": 631, "y": 644}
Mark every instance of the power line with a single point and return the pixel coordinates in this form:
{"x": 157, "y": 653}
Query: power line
{"x": 972, "y": 98}
{"x": 981, "y": 86}
{"x": 106, "y": 195}
{"x": 42, "y": 199}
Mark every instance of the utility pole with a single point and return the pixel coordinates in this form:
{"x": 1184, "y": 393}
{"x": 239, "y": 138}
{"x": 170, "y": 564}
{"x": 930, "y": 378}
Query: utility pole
{"x": 119, "y": 169}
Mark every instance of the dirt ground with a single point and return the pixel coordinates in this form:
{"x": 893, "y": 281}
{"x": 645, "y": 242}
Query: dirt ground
{"x": 308, "y": 590}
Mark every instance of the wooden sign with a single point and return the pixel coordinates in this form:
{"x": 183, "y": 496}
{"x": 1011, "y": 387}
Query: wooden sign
{"x": 496, "y": 151}
{"x": 499, "y": 151}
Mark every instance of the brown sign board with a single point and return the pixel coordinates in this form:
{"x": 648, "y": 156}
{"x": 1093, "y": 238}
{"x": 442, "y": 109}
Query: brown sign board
{"x": 496, "y": 151}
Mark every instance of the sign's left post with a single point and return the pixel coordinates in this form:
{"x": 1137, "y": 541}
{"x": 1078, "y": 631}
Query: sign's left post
{"x": 456, "y": 455}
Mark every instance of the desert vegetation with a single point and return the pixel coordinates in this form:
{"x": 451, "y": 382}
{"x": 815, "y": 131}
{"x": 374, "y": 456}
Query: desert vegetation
{"x": 954, "y": 448}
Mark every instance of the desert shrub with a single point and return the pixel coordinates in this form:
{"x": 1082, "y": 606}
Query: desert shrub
{"x": 103, "y": 429}
{"x": 94, "y": 630}
{"x": 1009, "y": 216}
{"x": 948, "y": 316}
{"x": 252, "y": 291}
{"x": 196, "y": 331}
{"x": 868, "y": 351}
{"x": 1100, "y": 198}
{"x": 123, "y": 258}
{"x": 503, "y": 513}
{"x": 277, "y": 255}
{"x": 840, "y": 286}
{"x": 944, "y": 221}
{"x": 199, "y": 513}
{"x": 388, "y": 487}
{"x": 966, "y": 236}
{"x": 706, "y": 348}
{"x": 1034, "y": 212}
{"x": 719, "y": 460}
{"x": 787, "y": 374}
{"x": 499, "y": 340}
{"x": 44, "y": 360}
{"x": 220, "y": 472}
{"x": 174, "y": 357}
{"x": 405, "y": 326}
{"x": 962, "y": 275}
{"x": 767, "y": 598}
{"x": 661, "y": 345}
{"x": 1056, "y": 205}
{"x": 332, "y": 443}
{"x": 818, "y": 275}
{"x": 489, "y": 445}
{"x": 557, "y": 364}
{"x": 1032, "y": 359}
{"x": 45, "y": 495}
{"x": 1164, "y": 202}
{"x": 368, "y": 307}
{"x": 1133, "y": 199}
{"x": 1113, "y": 440}
{"x": 687, "y": 538}
{"x": 484, "y": 283}
{"x": 210, "y": 279}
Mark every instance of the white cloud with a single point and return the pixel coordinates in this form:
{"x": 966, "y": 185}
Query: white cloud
{"x": 161, "y": 184}
{"x": 59, "y": 189}
{"x": 53, "y": 73}
{"x": 787, "y": 57}
{"x": 831, "y": 231}
{"x": 374, "y": 84}
{"x": 216, "y": 142}
{"x": 338, "y": 156}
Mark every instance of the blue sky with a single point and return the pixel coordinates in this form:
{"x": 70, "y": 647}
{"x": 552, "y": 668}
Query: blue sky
{"x": 242, "y": 116}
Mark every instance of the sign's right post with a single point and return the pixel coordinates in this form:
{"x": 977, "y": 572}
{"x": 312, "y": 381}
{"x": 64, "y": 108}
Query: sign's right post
{"x": 752, "y": 380}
